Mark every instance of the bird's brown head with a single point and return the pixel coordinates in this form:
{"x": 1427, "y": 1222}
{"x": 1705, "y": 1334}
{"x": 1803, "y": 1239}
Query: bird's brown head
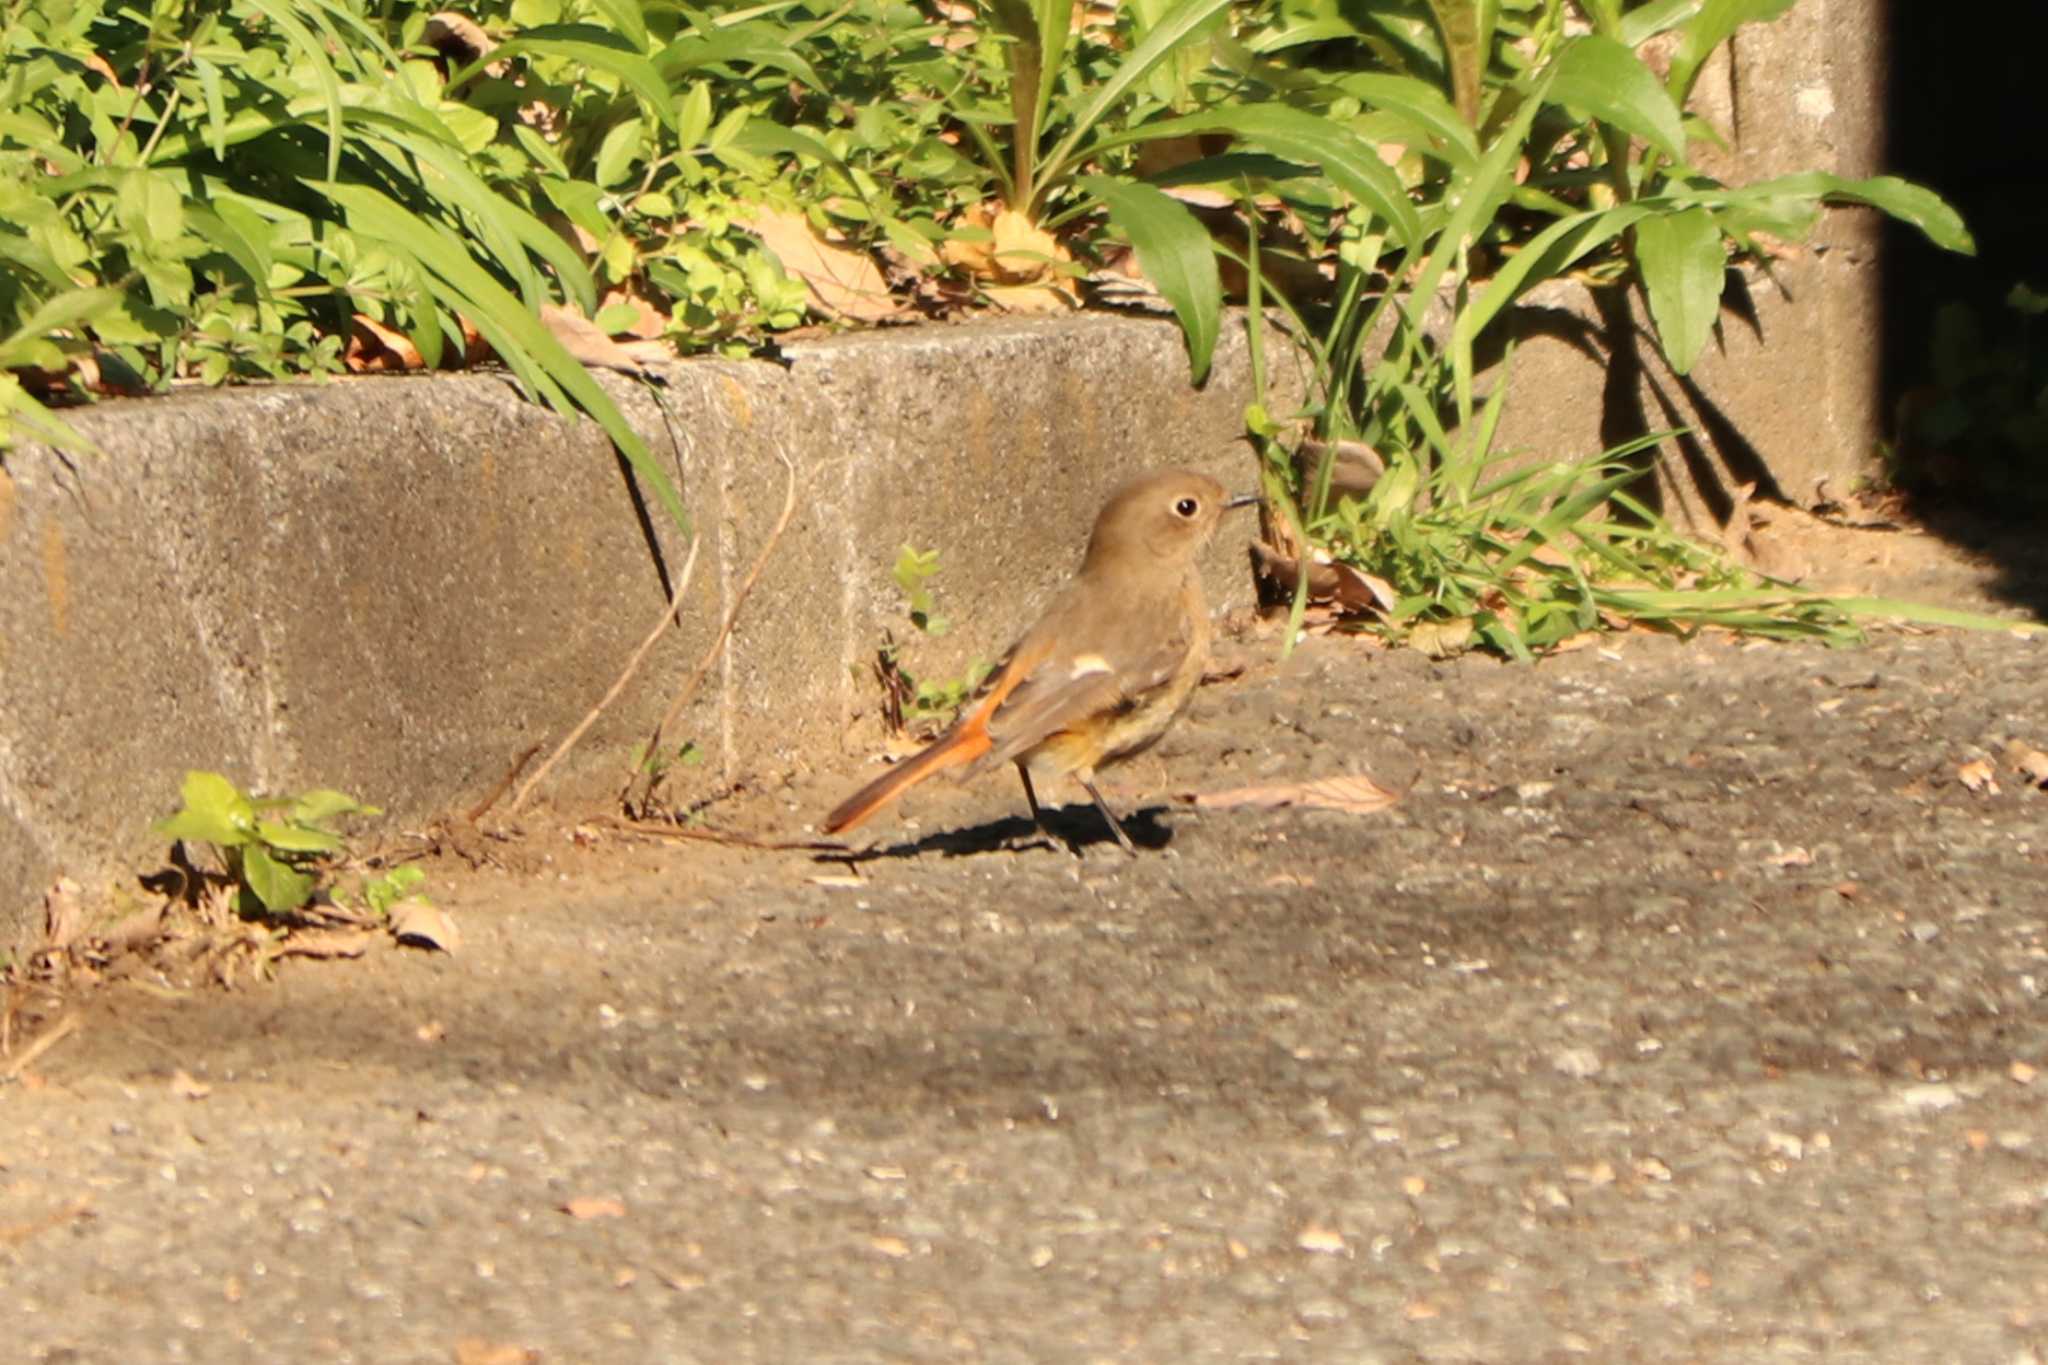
{"x": 1163, "y": 517}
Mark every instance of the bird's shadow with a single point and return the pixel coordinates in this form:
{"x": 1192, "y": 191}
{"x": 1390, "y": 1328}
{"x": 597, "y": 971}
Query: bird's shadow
{"x": 1074, "y": 829}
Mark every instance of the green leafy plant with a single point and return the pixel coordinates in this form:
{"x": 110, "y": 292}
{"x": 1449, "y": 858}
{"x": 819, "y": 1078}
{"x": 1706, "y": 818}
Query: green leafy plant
{"x": 1534, "y": 154}
{"x": 275, "y": 850}
{"x": 913, "y": 572}
{"x": 382, "y": 892}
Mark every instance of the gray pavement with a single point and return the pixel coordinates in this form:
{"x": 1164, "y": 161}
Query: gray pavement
{"x": 1686, "y": 1007}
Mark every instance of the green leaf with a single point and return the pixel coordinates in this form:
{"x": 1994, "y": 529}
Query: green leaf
{"x": 1611, "y": 83}
{"x": 1646, "y": 21}
{"x": 64, "y": 313}
{"x": 279, "y": 886}
{"x": 693, "y": 116}
{"x": 216, "y": 811}
{"x": 597, "y": 48}
{"x": 757, "y": 47}
{"x": 295, "y": 838}
{"x": 1911, "y": 204}
{"x": 617, "y": 153}
{"x": 1683, "y": 265}
{"x": 314, "y": 53}
{"x": 515, "y": 331}
{"x": 1467, "y": 29}
{"x": 1417, "y": 102}
{"x": 629, "y": 17}
{"x": 1545, "y": 256}
{"x": 1185, "y": 18}
{"x": 324, "y": 803}
{"x": 1715, "y": 22}
{"x": 1177, "y": 255}
{"x": 1352, "y": 163}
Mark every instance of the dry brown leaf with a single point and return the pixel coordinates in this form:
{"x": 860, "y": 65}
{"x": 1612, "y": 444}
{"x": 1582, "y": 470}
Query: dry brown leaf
{"x": 895, "y": 1248}
{"x": 1018, "y": 266}
{"x": 1977, "y": 775}
{"x": 1441, "y": 640}
{"x": 374, "y": 348}
{"x": 1333, "y": 581}
{"x": 1791, "y": 857}
{"x": 63, "y": 913}
{"x": 2028, "y": 761}
{"x": 477, "y": 1351}
{"x": 586, "y": 341}
{"x": 327, "y": 943}
{"x": 420, "y": 922}
{"x": 594, "y": 1206}
{"x": 185, "y": 1087}
{"x": 1357, "y": 794}
{"x": 842, "y": 282}
{"x": 457, "y": 36}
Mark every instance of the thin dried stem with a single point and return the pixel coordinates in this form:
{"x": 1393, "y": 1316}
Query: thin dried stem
{"x": 668, "y": 615}
{"x": 696, "y": 678}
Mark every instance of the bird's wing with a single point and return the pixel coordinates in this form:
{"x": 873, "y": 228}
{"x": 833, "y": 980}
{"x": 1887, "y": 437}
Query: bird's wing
{"x": 1069, "y": 686}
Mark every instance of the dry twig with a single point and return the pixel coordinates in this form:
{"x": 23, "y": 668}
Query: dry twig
{"x": 675, "y": 604}
{"x": 696, "y": 678}
{"x": 46, "y": 1040}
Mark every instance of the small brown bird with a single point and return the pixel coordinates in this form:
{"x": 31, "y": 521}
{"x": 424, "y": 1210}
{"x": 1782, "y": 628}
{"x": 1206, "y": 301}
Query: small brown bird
{"x": 1106, "y": 669}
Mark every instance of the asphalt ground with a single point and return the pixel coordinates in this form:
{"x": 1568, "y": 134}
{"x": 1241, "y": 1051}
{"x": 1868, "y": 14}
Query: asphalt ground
{"x": 1686, "y": 1004}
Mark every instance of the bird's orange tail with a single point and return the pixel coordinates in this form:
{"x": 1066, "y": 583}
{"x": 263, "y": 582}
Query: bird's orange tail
{"x": 966, "y": 742}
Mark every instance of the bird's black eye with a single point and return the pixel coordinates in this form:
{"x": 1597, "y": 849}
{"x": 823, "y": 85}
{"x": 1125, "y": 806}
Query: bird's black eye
{"x": 1187, "y": 507}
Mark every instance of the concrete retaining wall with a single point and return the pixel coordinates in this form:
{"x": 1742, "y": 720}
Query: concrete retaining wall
{"x": 394, "y": 586}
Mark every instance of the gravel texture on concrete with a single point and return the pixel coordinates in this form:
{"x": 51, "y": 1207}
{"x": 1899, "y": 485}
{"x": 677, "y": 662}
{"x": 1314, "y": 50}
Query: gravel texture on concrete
{"x": 1688, "y": 1005}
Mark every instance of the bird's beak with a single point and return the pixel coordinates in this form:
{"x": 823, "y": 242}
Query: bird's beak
{"x": 1242, "y": 500}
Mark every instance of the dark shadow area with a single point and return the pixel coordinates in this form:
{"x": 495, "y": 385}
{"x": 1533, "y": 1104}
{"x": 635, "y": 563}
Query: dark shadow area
{"x": 1075, "y": 827}
{"x": 1963, "y": 369}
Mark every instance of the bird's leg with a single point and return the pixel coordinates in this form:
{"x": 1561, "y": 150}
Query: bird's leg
{"x": 1088, "y": 781}
{"x": 1031, "y": 798}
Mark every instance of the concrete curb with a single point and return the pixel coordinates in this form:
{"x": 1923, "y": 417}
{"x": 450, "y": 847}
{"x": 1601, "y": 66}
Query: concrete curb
{"x": 394, "y": 586}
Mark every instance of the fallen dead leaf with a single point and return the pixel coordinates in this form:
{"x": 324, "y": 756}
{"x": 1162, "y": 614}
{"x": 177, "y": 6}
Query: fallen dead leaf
{"x": 1791, "y": 857}
{"x": 423, "y": 924}
{"x": 1328, "y": 580}
{"x": 586, "y": 341}
{"x": 374, "y": 348}
{"x": 2028, "y": 761}
{"x": 433, "y": 1031}
{"x": 895, "y": 1248}
{"x": 327, "y": 943}
{"x": 185, "y": 1087}
{"x": 842, "y": 282}
{"x": 458, "y": 36}
{"x": 1977, "y": 775}
{"x": 594, "y": 1206}
{"x": 1019, "y": 265}
{"x": 1442, "y": 639}
{"x": 1357, "y": 794}
{"x": 2022, "y": 1072}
